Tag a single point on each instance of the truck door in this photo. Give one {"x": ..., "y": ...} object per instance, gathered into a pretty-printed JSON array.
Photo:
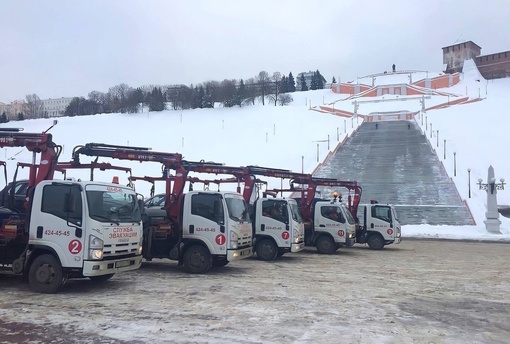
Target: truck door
[
  {"x": 59, "y": 223},
  {"x": 382, "y": 213},
  {"x": 206, "y": 221},
  {"x": 332, "y": 220},
  {"x": 274, "y": 221}
]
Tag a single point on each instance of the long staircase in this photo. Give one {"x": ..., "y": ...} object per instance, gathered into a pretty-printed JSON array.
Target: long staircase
[{"x": 395, "y": 164}]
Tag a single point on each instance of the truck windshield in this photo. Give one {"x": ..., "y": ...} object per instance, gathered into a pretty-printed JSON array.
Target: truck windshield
[
  {"x": 296, "y": 214},
  {"x": 237, "y": 209},
  {"x": 112, "y": 204},
  {"x": 348, "y": 215},
  {"x": 394, "y": 212}
]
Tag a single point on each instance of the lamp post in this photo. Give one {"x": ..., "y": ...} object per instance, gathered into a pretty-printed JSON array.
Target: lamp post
[
  {"x": 455, "y": 164},
  {"x": 444, "y": 149},
  {"x": 431, "y": 130},
  {"x": 469, "y": 182},
  {"x": 426, "y": 125},
  {"x": 491, "y": 185}
]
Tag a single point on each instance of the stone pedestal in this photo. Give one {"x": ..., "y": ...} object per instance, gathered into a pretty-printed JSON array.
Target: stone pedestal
[
  {"x": 492, "y": 221},
  {"x": 492, "y": 225}
]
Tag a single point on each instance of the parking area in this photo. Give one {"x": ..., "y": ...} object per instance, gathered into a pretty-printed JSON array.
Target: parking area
[{"x": 419, "y": 291}]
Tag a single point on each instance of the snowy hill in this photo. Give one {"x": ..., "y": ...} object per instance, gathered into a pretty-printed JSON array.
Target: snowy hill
[{"x": 295, "y": 137}]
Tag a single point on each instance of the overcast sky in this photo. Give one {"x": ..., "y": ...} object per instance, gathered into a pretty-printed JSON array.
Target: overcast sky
[{"x": 61, "y": 48}]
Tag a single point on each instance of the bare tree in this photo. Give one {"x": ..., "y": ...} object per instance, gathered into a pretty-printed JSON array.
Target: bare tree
[
  {"x": 263, "y": 82},
  {"x": 276, "y": 79},
  {"x": 119, "y": 95},
  {"x": 284, "y": 99},
  {"x": 33, "y": 106}
]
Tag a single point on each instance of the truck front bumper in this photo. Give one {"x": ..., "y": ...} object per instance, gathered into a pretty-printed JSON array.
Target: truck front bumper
[
  {"x": 297, "y": 247},
  {"x": 104, "y": 267},
  {"x": 350, "y": 242},
  {"x": 239, "y": 254}
]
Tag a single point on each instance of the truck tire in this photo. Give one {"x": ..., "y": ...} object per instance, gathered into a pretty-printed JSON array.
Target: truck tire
[
  {"x": 45, "y": 274},
  {"x": 375, "y": 241},
  {"x": 197, "y": 260},
  {"x": 266, "y": 250},
  {"x": 101, "y": 278},
  {"x": 325, "y": 245}
]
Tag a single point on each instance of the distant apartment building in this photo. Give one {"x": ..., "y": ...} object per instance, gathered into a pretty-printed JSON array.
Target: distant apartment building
[
  {"x": 491, "y": 66},
  {"x": 55, "y": 107},
  {"x": 308, "y": 79},
  {"x": 46, "y": 108},
  {"x": 13, "y": 109}
]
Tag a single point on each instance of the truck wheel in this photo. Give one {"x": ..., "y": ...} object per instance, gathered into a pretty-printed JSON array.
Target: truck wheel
[
  {"x": 101, "y": 278},
  {"x": 266, "y": 250},
  {"x": 325, "y": 245},
  {"x": 375, "y": 242},
  {"x": 219, "y": 263},
  {"x": 45, "y": 274},
  {"x": 197, "y": 260}
]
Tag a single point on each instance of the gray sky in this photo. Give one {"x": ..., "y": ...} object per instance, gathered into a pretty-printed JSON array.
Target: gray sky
[{"x": 62, "y": 48}]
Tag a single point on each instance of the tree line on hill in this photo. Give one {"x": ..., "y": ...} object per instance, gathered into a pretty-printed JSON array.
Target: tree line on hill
[{"x": 122, "y": 98}]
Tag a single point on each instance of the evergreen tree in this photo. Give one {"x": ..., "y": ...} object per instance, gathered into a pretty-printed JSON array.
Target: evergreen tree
[
  {"x": 291, "y": 84},
  {"x": 284, "y": 87},
  {"x": 240, "y": 93},
  {"x": 313, "y": 83},
  {"x": 3, "y": 118},
  {"x": 303, "y": 83},
  {"x": 198, "y": 97},
  {"x": 20, "y": 116},
  {"x": 320, "y": 80},
  {"x": 156, "y": 100},
  {"x": 208, "y": 101}
]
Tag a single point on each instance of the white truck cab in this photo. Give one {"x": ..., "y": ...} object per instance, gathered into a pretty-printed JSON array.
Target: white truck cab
[
  {"x": 378, "y": 225},
  {"x": 333, "y": 226},
  {"x": 215, "y": 228},
  {"x": 278, "y": 227},
  {"x": 75, "y": 229},
  {"x": 220, "y": 221}
]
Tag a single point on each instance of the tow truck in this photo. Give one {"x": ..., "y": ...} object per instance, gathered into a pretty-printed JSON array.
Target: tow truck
[
  {"x": 67, "y": 229},
  {"x": 202, "y": 229}
]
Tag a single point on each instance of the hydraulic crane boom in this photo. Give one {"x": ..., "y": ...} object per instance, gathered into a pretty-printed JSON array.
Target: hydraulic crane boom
[{"x": 36, "y": 143}]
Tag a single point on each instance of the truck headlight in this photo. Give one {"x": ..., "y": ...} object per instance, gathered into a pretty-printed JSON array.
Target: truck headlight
[
  {"x": 95, "y": 248},
  {"x": 234, "y": 238},
  {"x": 96, "y": 254},
  {"x": 295, "y": 236},
  {"x": 140, "y": 245}
]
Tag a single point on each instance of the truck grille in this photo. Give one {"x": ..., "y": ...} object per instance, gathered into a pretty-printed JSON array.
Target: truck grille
[
  {"x": 245, "y": 241},
  {"x": 123, "y": 249}
]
